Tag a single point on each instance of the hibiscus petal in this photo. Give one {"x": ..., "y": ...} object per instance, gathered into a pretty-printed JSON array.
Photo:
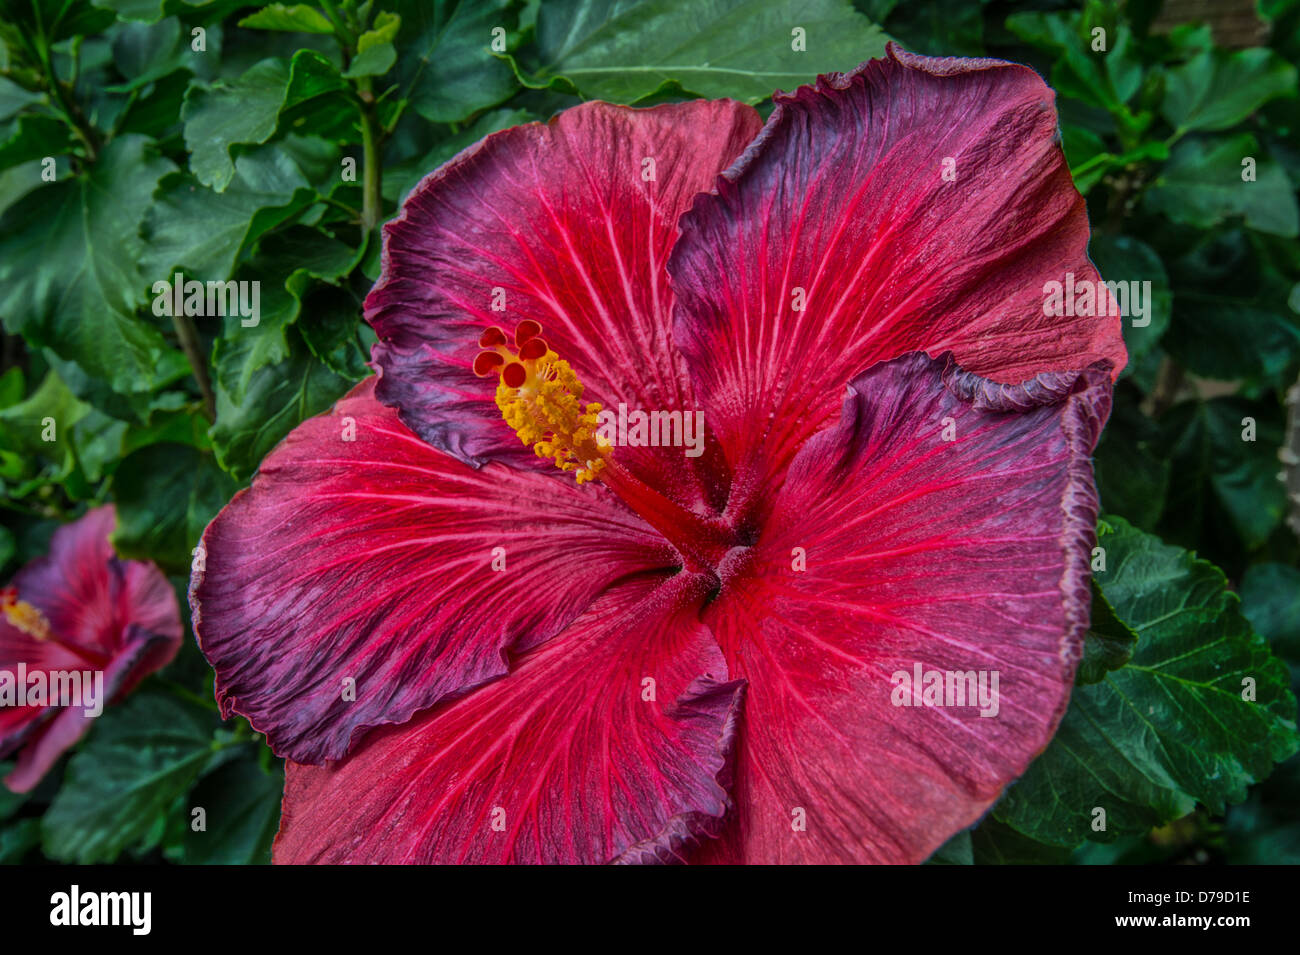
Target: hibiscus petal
[
  {"x": 840, "y": 207},
  {"x": 372, "y": 560},
  {"x": 566, "y": 760},
  {"x": 966, "y": 555},
  {"x": 561, "y": 218}
]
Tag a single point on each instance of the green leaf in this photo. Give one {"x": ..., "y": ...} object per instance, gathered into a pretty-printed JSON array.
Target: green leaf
[
  {"x": 936, "y": 27},
  {"x": 1106, "y": 78},
  {"x": 202, "y": 231},
  {"x": 141, "y": 757},
  {"x": 69, "y": 270},
  {"x": 276, "y": 400},
  {"x": 166, "y": 495},
  {"x": 34, "y": 136},
  {"x": 401, "y": 178},
  {"x": 1200, "y": 712},
  {"x": 297, "y": 17},
  {"x": 625, "y": 50},
  {"x": 286, "y": 266},
  {"x": 1126, "y": 259},
  {"x": 1270, "y": 599},
  {"x": 10, "y": 802},
  {"x": 13, "y": 98},
  {"x": 1202, "y": 186},
  {"x": 58, "y": 19},
  {"x": 956, "y": 851},
  {"x": 1108, "y": 644},
  {"x": 1226, "y": 481},
  {"x": 1132, "y": 475},
  {"x": 27, "y": 460},
  {"x": 448, "y": 69},
  {"x": 383, "y": 30},
  {"x": 248, "y": 110},
  {"x": 18, "y": 838},
  {"x": 151, "y": 11},
  {"x": 993, "y": 843},
  {"x": 241, "y": 804},
  {"x": 374, "y": 61},
  {"x": 1218, "y": 89}
]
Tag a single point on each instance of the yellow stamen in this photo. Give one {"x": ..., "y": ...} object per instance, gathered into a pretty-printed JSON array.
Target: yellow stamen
[
  {"x": 546, "y": 411},
  {"x": 23, "y": 616},
  {"x": 541, "y": 398}
]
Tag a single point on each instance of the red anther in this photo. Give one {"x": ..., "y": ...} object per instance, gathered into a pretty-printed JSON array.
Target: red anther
[
  {"x": 514, "y": 375},
  {"x": 8, "y": 596},
  {"x": 486, "y": 363},
  {"x": 491, "y": 336},
  {"x": 525, "y": 330},
  {"x": 533, "y": 348}
]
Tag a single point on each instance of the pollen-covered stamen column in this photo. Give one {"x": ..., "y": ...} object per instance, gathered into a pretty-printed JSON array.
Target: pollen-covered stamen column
[{"x": 540, "y": 397}]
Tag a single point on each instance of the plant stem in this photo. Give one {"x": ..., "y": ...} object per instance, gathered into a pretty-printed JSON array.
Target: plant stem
[
  {"x": 372, "y": 202},
  {"x": 189, "y": 339}
]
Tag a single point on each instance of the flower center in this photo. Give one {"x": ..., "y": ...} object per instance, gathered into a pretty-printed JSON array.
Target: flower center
[
  {"x": 541, "y": 398},
  {"x": 23, "y": 616}
]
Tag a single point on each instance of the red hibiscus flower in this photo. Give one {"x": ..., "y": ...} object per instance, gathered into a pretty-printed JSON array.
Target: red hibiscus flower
[
  {"x": 694, "y": 651},
  {"x": 80, "y": 628}
]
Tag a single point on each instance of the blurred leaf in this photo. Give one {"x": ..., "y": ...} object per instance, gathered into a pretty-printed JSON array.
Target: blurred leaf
[
  {"x": 140, "y": 757},
  {"x": 13, "y": 98},
  {"x": 10, "y": 802},
  {"x": 1202, "y": 186},
  {"x": 401, "y": 178},
  {"x": 18, "y": 838},
  {"x": 1270, "y": 599},
  {"x": 296, "y": 17},
  {"x": 69, "y": 269},
  {"x": 1107, "y": 78},
  {"x": 34, "y": 136},
  {"x": 1170, "y": 728},
  {"x": 1126, "y": 259},
  {"x": 23, "y": 427},
  {"x": 58, "y": 19},
  {"x": 625, "y": 50},
  {"x": 936, "y": 28},
  {"x": 166, "y": 495},
  {"x": 956, "y": 851},
  {"x": 375, "y": 61},
  {"x": 994, "y": 843},
  {"x": 1218, "y": 89},
  {"x": 241, "y": 802},
  {"x": 1227, "y": 340},
  {"x": 1220, "y": 477},
  {"x": 151, "y": 11}
]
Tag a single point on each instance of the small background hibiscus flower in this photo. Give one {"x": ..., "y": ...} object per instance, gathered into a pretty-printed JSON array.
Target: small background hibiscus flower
[{"x": 79, "y": 613}]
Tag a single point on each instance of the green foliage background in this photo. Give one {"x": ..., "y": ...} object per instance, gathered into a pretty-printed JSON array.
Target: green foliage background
[{"x": 223, "y": 159}]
